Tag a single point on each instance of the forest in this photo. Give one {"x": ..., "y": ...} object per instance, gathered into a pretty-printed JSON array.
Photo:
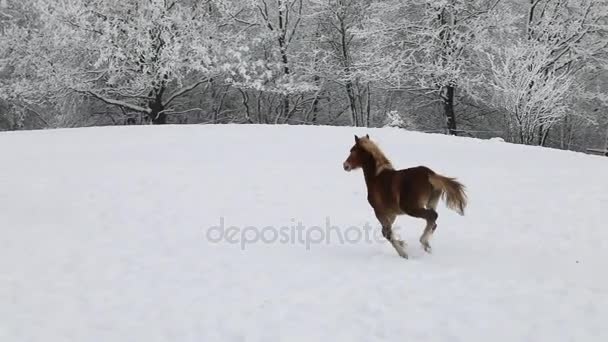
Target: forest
[{"x": 531, "y": 72}]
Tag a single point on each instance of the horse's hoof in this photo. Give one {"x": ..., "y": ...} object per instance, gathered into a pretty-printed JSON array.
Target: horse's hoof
[{"x": 428, "y": 249}]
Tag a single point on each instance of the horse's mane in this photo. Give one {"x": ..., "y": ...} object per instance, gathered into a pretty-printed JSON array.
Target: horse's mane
[{"x": 382, "y": 162}]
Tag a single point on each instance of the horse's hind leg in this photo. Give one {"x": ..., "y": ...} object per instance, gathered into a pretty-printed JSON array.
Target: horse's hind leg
[
  {"x": 426, "y": 235},
  {"x": 433, "y": 200},
  {"x": 387, "y": 231},
  {"x": 430, "y": 215},
  {"x": 430, "y": 226}
]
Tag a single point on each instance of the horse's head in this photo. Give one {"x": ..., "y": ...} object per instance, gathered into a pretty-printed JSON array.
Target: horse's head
[{"x": 357, "y": 154}]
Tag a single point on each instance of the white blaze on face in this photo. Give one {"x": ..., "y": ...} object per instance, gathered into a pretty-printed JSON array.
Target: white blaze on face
[{"x": 346, "y": 166}]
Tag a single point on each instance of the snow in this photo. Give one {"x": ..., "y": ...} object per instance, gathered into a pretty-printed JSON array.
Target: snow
[{"x": 105, "y": 235}]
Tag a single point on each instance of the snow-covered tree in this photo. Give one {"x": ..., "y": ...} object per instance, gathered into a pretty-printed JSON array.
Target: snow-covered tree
[
  {"x": 575, "y": 33},
  {"x": 398, "y": 120},
  {"x": 538, "y": 66},
  {"x": 278, "y": 91},
  {"x": 336, "y": 51},
  {"x": 530, "y": 95},
  {"x": 424, "y": 46},
  {"x": 16, "y": 18},
  {"x": 139, "y": 56},
  {"x": 534, "y": 71}
]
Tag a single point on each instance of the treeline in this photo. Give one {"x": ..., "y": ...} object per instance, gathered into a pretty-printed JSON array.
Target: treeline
[{"x": 530, "y": 71}]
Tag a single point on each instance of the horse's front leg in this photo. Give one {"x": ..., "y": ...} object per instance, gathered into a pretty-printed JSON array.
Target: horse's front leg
[{"x": 387, "y": 231}]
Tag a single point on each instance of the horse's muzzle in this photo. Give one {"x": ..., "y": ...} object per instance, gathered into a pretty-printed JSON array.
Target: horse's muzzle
[{"x": 346, "y": 166}]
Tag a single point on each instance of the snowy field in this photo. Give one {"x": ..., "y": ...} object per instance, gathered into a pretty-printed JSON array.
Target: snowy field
[{"x": 112, "y": 234}]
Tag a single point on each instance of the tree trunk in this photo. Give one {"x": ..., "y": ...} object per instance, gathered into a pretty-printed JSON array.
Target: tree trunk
[
  {"x": 448, "y": 90},
  {"x": 353, "y": 102},
  {"x": 368, "y": 106},
  {"x": 606, "y": 144},
  {"x": 350, "y": 91},
  {"x": 544, "y": 134},
  {"x": 315, "y": 102},
  {"x": 283, "y": 50},
  {"x": 448, "y": 109},
  {"x": 157, "y": 116},
  {"x": 286, "y": 71}
]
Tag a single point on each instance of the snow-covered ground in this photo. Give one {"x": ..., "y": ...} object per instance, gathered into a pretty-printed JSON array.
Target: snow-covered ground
[{"x": 110, "y": 234}]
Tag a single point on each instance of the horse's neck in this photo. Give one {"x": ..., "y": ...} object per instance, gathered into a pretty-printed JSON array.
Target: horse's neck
[{"x": 369, "y": 172}]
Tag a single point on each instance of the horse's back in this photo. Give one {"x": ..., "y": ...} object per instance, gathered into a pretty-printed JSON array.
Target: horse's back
[
  {"x": 417, "y": 174},
  {"x": 414, "y": 185}
]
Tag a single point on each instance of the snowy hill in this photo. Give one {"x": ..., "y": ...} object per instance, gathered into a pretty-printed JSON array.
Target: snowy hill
[{"x": 109, "y": 234}]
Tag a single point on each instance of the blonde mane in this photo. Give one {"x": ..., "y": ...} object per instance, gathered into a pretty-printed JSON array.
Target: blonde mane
[{"x": 382, "y": 162}]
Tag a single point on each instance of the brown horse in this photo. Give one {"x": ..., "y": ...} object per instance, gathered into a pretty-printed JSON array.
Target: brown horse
[{"x": 413, "y": 191}]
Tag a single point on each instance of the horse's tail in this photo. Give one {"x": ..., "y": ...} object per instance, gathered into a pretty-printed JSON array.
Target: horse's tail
[{"x": 452, "y": 192}]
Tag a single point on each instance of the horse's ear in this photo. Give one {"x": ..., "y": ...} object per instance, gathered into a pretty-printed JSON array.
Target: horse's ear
[
  {"x": 367, "y": 136},
  {"x": 356, "y": 138}
]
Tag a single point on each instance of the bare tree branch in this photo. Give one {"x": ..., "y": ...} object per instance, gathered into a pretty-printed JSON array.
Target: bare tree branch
[
  {"x": 115, "y": 102},
  {"x": 183, "y": 91}
]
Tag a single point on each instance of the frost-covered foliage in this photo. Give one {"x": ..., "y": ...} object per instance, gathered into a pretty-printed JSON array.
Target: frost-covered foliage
[
  {"x": 140, "y": 56},
  {"x": 538, "y": 79},
  {"x": 532, "y": 95},
  {"x": 529, "y": 71},
  {"x": 398, "y": 120},
  {"x": 425, "y": 46},
  {"x": 337, "y": 52}
]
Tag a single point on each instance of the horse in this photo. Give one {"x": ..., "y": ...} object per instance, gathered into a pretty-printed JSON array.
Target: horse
[{"x": 413, "y": 191}]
